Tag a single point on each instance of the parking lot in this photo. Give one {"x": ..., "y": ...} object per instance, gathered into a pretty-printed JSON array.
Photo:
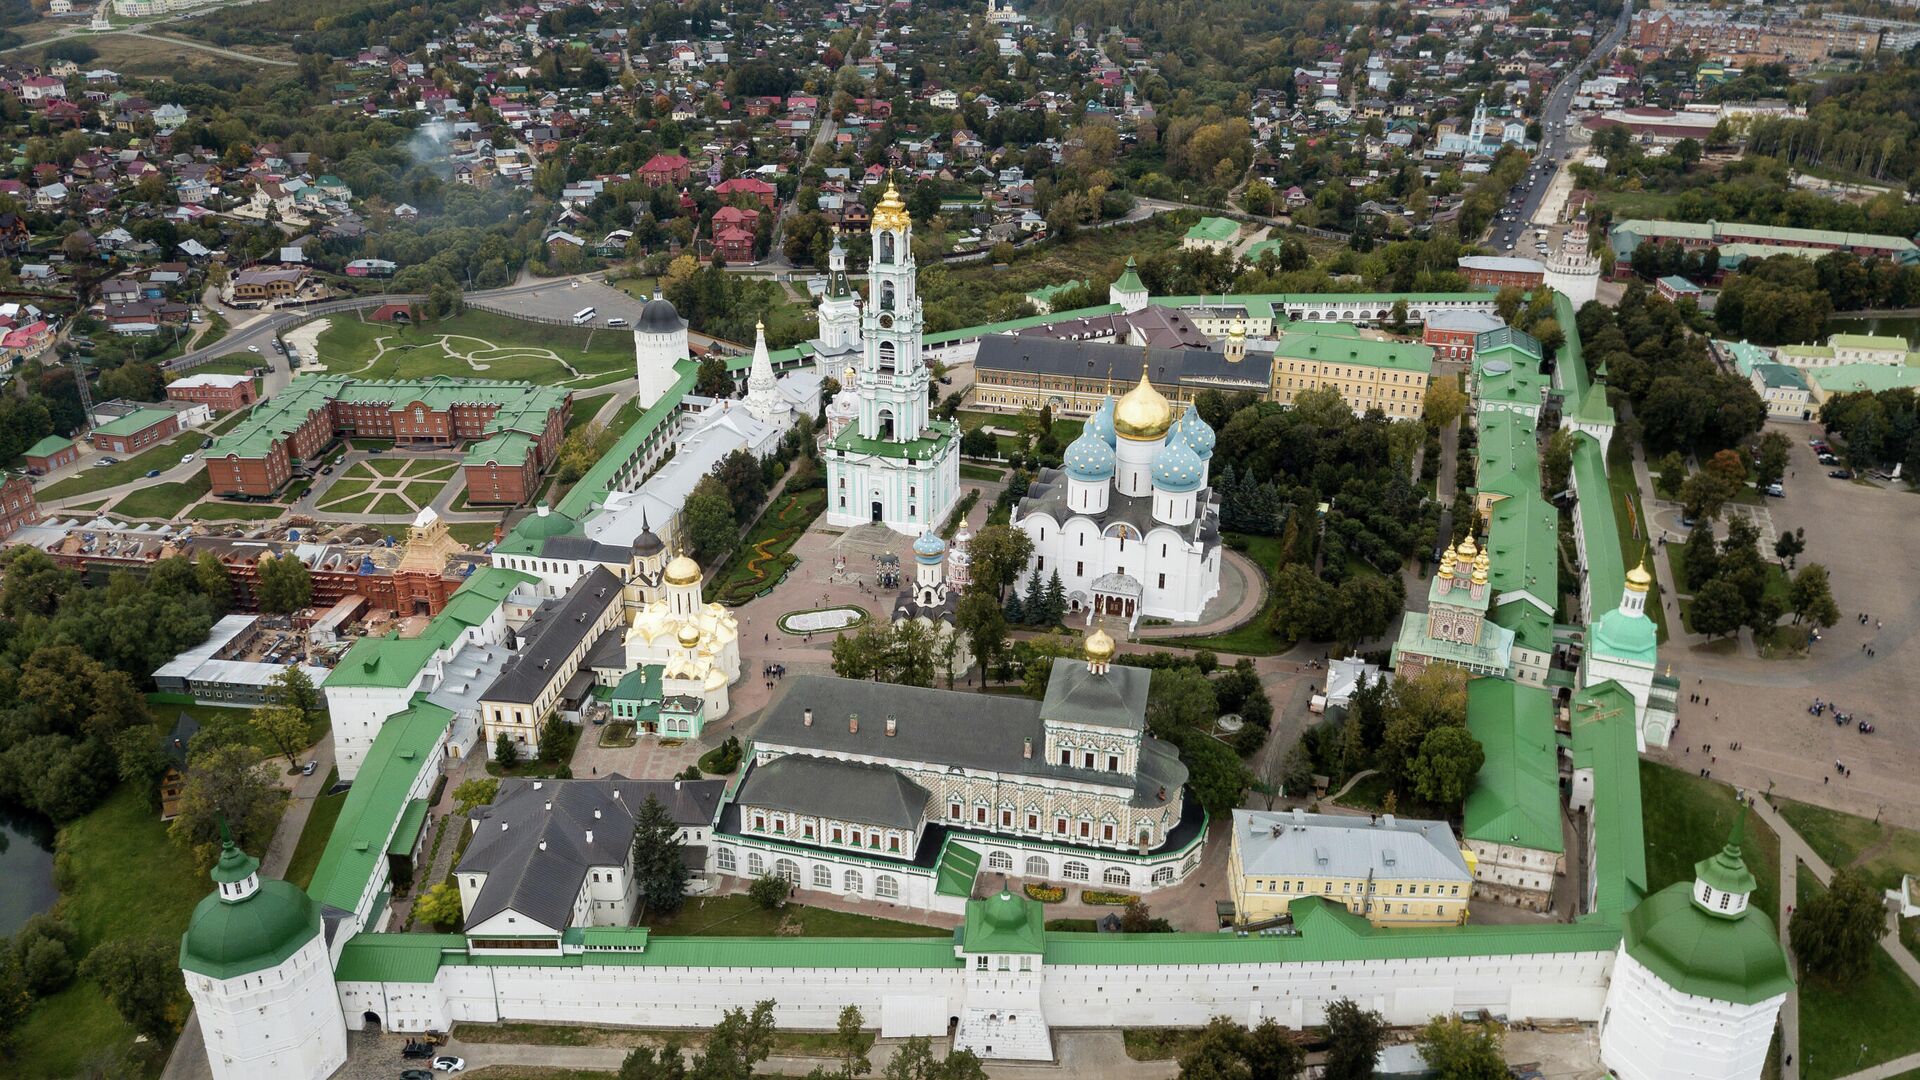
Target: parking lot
[{"x": 1864, "y": 533}]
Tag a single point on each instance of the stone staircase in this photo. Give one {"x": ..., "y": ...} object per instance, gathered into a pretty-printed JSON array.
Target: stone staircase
[{"x": 1012, "y": 1035}]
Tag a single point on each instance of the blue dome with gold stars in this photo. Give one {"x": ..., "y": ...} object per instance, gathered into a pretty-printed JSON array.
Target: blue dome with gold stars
[
  {"x": 1090, "y": 457},
  {"x": 1100, "y": 424},
  {"x": 929, "y": 548},
  {"x": 1176, "y": 467},
  {"x": 1198, "y": 434}
]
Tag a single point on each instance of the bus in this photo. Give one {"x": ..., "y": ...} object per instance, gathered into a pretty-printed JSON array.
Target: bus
[{"x": 584, "y": 315}]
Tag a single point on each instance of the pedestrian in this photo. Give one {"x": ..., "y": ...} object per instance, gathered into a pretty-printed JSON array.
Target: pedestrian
[
  {"x": 1825, "y": 779},
  {"x": 1707, "y": 701}
]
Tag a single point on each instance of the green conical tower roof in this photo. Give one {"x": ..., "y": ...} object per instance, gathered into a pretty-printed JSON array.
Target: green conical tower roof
[
  {"x": 247, "y": 923},
  {"x": 1726, "y": 871},
  {"x": 1129, "y": 281}
]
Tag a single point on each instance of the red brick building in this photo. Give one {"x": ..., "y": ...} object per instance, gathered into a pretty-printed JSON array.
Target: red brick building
[
  {"x": 138, "y": 430},
  {"x": 733, "y": 244},
  {"x": 511, "y": 422},
  {"x": 1499, "y": 271},
  {"x": 51, "y": 453},
  {"x": 663, "y": 169},
  {"x": 18, "y": 507},
  {"x": 1452, "y": 334},
  {"x": 221, "y": 393},
  {"x": 756, "y": 188}
]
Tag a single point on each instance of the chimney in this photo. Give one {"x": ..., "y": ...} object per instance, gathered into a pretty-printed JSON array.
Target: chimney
[
  {"x": 806, "y": 717},
  {"x": 892, "y": 725},
  {"x": 1026, "y": 749},
  {"x": 549, "y": 805},
  {"x": 676, "y": 784},
  {"x": 1387, "y": 820},
  {"x": 503, "y": 826},
  {"x": 853, "y": 723},
  {"x": 596, "y": 813},
  {"x": 1299, "y": 816},
  {"x": 589, "y": 836},
  {"x": 543, "y": 844}
]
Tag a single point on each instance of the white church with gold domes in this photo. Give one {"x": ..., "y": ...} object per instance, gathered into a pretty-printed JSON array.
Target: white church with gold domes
[
  {"x": 1129, "y": 520},
  {"x": 681, "y": 654}
]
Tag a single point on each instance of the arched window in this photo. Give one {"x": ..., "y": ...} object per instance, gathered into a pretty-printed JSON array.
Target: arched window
[
  {"x": 886, "y": 887},
  {"x": 788, "y": 871},
  {"x": 755, "y": 864},
  {"x": 886, "y": 296},
  {"x": 1117, "y": 876},
  {"x": 852, "y": 882},
  {"x": 822, "y": 876},
  {"x": 1074, "y": 871},
  {"x": 999, "y": 860},
  {"x": 1037, "y": 867},
  {"x": 886, "y": 247},
  {"x": 1163, "y": 876}
]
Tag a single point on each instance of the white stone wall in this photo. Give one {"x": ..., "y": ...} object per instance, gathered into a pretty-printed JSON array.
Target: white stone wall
[
  {"x": 1081, "y": 553},
  {"x": 1651, "y": 1031},
  {"x": 1561, "y": 985},
  {"x": 1509, "y": 873},
  {"x": 358, "y": 713},
  {"x": 285, "y": 1021}
]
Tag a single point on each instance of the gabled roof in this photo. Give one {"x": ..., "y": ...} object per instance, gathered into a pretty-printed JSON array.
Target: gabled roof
[
  {"x": 1516, "y": 795},
  {"x": 376, "y": 802},
  {"x": 537, "y": 840},
  {"x": 831, "y": 788}
]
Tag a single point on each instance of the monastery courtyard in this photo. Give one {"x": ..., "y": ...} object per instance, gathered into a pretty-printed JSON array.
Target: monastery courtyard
[{"x": 1762, "y": 704}]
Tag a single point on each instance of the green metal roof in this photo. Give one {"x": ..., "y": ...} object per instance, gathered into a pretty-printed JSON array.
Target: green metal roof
[
  {"x": 406, "y": 958},
  {"x": 48, "y": 446},
  {"x": 1329, "y": 933},
  {"x": 376, "y": 802},
  {"x": 1312, "y": 345},
  {"x": 1214, "y": 229},
  {"x": 1780, "y": 377},
  {"x": 392, "y": 662},
  {"x": 1868, "y": 341},
  {"x": 506, "y": 448},
  {"x": 520, "y": 404},
  {"x": 1605, "y": 740},
  {"x": 607, "y": 937},
  {"x": 225, "y": 940},
  {"x": 1516, "y": 795},
  {"x": 1737, "y": 960},
  {"x": 1005, "y": 923},
  {"x": 1532, "y": 628},
  {"x": 405, "y": 834},
  {"x": 1746, "y": 354},
  {"x": 923, "y": 449},
  {"x": 1129, "y": 279},
  {"x": 1872, "y": 378},
  {"x": 958, "y": 864},
  {"x": 1725, "y": 869},
  {"x": 1586, "y": 400},
  {"x": 1606, "y": 573},
  {"x": 134, "y": 422}
]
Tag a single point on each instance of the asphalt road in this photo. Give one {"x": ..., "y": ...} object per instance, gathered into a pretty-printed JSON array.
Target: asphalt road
[{"x": 1555, "y": 141}]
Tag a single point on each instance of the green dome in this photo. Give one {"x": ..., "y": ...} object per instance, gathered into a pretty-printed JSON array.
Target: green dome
[
  {"x": 227, "y": 938},
  {"x": 541, "y": 525},
  {"x": 1005, "y": 911},
  {"x": 1625, "y": 637},
  {"x": 1737, "y": 960}
]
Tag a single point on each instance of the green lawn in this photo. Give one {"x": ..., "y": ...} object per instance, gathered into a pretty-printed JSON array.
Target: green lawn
[
  {"x": 585, "y": 409},
  {"x": 739, "y": 916},
  {"x": 1627, "y": 518},
  {"x": 474, "y": 534},
  {"x": 625, "y": 418},
  {"x": 390, "y": 504},
  {"x": 313, "y": 838},
  {"x": 243, "y": 364},
  {"x": 377, "y": 467},
  {"x": 987, "y": 473},
  {"x": 423, "y": 492},
  {"x": 163, "y": 500},
  {"x": 226, "y": 511},
  {"x": 1638, "y": 204},
  {"x": 1686, "y": 819},
  {"x": 1255, "y": 638},
  {"x": 122, "y": 877},
  {"x": 1884, "y": 852},
  {"x": 763, "y": 556},
  {"x": 478, "y": 345},
  {"x": 163, "y": 457},
  {"x": 1844, "y": 1029}
]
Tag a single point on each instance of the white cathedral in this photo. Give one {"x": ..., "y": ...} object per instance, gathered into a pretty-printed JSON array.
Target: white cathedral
[
  {"x": 887, "y": 461},
  {"x": 1129, "y": 521},
  {"x": 696, "y": 645}
]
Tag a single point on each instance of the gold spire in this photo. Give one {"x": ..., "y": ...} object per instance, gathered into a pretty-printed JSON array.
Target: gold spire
[
  {"x": 892, "y": 212},
  {"x": 1142, "y": 414}
]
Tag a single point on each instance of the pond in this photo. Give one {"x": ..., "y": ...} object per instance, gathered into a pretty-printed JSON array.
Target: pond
[
  {"x": 1900, "y": 326},
  {"x": 26, "y": 869}
]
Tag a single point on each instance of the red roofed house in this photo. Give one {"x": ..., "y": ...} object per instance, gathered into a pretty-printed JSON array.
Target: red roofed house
[
  {"x": 747, "y": 185},
  {"x": 664, "y": 169},
  {"x": 734, "y": 244}
]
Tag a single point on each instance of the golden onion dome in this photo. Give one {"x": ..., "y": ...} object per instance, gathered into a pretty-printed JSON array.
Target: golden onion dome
[
  {"x": 1482, "y": 561},
  {"x": 683, "y": 571},
  {"x": 1446, "y": 566},
  {"x": 689, "y": 635},
  {"x": 1479, "y": 574},
  {"x": 1142, "y": 414},
  {"x": 892, "y": 212},
  {"x": 1099, "y": 646},
  {"x": 1638, "y": 579},
  {"x": 1468, "y": 547}
]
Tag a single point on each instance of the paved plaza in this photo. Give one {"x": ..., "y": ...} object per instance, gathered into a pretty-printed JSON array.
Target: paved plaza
[{"x": 1865, "y": 536}]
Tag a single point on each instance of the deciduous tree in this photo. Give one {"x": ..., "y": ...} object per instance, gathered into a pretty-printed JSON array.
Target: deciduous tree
[
  {"x": 1354, "y": 1036},
  {"x": 141, "y": 976},
  {"x": 1834, "y": 934}
]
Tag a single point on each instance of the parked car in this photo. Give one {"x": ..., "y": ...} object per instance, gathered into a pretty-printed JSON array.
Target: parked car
[
  {"x": 307, "y": 769},
  {"x": 185, "y": 458},
  {"x": 416, "y": 1049},
  {"x": 253, "y": 348},
  {"x": 101, "y": 463},
  {"x": 616, "y": 321},
  {"x": 1777, "y": 490},
  {"x": 1841, "y": 474},
  {"x": 326, "y": 470},
  {"x": 1829, "y": 459},
  {"x": 151, "y": 473},
  {"x": 206, "y": 444},
  {"x": 415, "y": 1074},
  {"x": 449, "y": 1064}
]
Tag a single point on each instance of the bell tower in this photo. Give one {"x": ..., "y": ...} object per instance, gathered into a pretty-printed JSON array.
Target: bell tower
[{"x": 893, "y": 381}]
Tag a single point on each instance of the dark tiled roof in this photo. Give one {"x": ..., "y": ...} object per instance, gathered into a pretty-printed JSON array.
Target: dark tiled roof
[
  {"x": 552, "y": 633},
  {"x": 1190, "y": 369},
  {"x": 841, "y": 790}
]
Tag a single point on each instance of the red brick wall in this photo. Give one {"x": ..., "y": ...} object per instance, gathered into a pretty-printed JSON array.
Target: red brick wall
[
  {"x": 144, "y": 439},
  {"x": 501, "y": 483},
  {"x": 53, "y": 461},
  {"x": 18, "y": 507},
  {"x": 217, "y": 398},
  {"x": 1498, "y": 278}
]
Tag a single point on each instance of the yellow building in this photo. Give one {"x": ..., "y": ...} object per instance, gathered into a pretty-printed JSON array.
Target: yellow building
[
  {"x": 1393, "y": 872},
  {"x": 1368, "y": 374}
]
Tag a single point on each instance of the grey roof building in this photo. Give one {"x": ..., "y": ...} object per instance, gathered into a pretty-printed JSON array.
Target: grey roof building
[
  {"x": 840, "y": 790},
  {"x": 1299, "y": 844},
  {"x": 552, "y": 641}
]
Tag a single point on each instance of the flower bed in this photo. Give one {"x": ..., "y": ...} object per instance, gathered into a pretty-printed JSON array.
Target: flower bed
[
  {"x": 764, "y": 559},
  {"x": 1046, "y": 894},
  {"x": 1100, "y": 896},
  {"x": 618, "y": 734}
]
